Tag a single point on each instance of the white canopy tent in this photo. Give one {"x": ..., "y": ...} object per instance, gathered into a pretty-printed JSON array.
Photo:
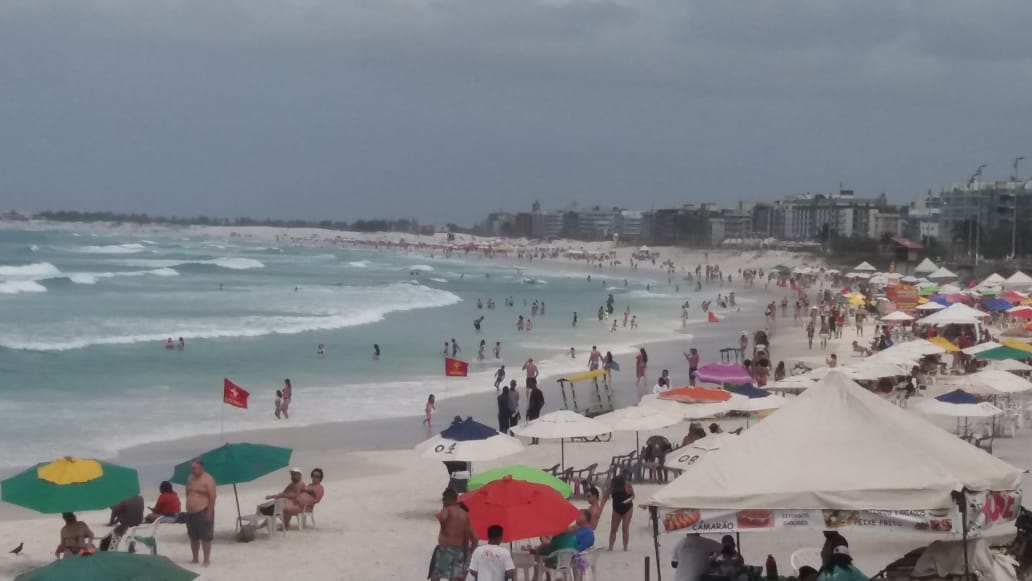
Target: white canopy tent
[
  {"x": 897, "y": 317},
  {"x": 1008, "y": 365},
  {"x": 926, "y": 266},
  {"x": 994, "y": 382},
  {"x": 931, "y": 306},
  {"x": 992, "y": 280},
  {"x": 1019, "y": 280},
  {"x": 855, "y": 437},
  {"x": 958, "y": 410},
  {"x": 955, "y": 314},
  {"x": 865, "y": 266},
  {"x": 942, "y": 273}
]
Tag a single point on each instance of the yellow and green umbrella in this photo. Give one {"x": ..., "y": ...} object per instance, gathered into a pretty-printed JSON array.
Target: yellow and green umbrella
[
  {"x": 521, "y": 472},
  {"x": 110, "y": 566},
  {"x": 69, "y": 485}
]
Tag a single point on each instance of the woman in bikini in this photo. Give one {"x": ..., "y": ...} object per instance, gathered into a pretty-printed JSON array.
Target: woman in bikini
[{"x": 622, "y": 493}]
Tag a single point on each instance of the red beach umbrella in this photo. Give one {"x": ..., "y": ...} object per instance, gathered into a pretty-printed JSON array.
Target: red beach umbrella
[
  {"x": 523, "y": 509},
  {"x": 696, "y": 395}
]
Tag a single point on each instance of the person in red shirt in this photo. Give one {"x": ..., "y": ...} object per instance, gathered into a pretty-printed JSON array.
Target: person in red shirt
[{"x": 166, "y": 505}]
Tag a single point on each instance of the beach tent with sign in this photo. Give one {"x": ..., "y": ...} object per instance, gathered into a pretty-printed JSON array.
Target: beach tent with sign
[
  {"x": 926, "y": 266},
  {"x": 827, "y": 460}
]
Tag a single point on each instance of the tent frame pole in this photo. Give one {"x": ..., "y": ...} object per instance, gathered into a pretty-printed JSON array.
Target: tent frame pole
[
  {"x": 961, "y": 499},
  {"x": 654, "y": 514}
]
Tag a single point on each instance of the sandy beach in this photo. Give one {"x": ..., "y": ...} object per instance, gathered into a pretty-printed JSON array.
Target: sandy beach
[{"x": 376, "y": 521}]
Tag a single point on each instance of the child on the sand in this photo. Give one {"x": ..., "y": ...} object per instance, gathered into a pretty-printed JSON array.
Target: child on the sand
[
  {"x": 430, "y": 407},
  {"x": 279, "y": 403}
]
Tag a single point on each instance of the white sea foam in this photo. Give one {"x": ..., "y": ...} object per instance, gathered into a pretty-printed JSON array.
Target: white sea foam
[
  {"x": 15, "y": 287},
  {"x": 438, "y": 280},
  {"x": 229, "y": 262},
  {"x": 421, "y": 268},
  {"x": 131, "y": 248},
  {"x": 35, "y": 271},
  {"x": 70, "y": 335},
  {"x": 359, "y": 264},
  {"x": 34, "y": 248}
]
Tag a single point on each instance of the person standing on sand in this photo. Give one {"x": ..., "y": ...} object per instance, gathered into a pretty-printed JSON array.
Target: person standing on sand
[
  {"x": 641, "y": 362},
  {"x": 455, "y": 541},
  {"x": 431, "y": 405},
  {"x": 622, "y": 493},
  {"x": 288, "y": 393},
  {"x": 445, "y": 352},
  {"x": 454, "y": 348},
  {"x": 200, "y": 510},
  {"x": 532, "y": 373},
  {"x": 504, "y": 413},
  {"x": 535, "y": 403},
  {"x": 693, "y": 364},
  {"x": 809, "y": 334},
  {"x": 514, "y": 406}
]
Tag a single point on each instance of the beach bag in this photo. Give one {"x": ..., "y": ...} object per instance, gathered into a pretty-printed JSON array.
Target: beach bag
[{"x": 246, "y": 534}]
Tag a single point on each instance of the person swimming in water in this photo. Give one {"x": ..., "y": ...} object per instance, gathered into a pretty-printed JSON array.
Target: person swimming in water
[
  {"x": 169, "y": 344},
  {"x": 498, "y": 350},
  {"x": 480, "y": 351},
  {"x": 320, "y": 351},
  {"x": 181, "y": 345}
]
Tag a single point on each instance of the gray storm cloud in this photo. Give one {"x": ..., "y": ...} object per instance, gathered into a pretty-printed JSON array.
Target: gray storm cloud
[{"x": 444, "y": 109}]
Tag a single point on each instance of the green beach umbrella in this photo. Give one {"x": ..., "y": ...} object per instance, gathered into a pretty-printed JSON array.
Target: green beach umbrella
[
  {"x": 782, "y": 268},
  {"x": 1004, "y": 352},
  {"x": 236, "y": 463},
  {"x": 928, "y": 290},
  {"x": 70, "y": 485},
  {"x": 110, "y": 566},
  {"x": 524, "y": 473}
]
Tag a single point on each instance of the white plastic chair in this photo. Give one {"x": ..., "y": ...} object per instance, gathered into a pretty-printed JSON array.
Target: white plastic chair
[
  {"x": 259, "y": 520},
  {"x": 591, "y": 556},
  {"x": 563, "y": 565},
  {"x": 137, "y": 536},
  {"x": 806, "y": 557},
  {"x": 307, "y": 515}
]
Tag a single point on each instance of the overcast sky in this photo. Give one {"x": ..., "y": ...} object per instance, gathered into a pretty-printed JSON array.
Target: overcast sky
[{"x": 445, "y": 109}]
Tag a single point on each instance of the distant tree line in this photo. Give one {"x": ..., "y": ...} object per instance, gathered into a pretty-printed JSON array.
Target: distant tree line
[{"x": 376, "y": 225}]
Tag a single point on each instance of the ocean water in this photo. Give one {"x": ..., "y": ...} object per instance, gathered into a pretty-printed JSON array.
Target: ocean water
[{"x": 84, "y": 318}]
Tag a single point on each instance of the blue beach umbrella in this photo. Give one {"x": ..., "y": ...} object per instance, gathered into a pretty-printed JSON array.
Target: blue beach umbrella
[
  {"x": 958, "y": 396},
  {"x": 998, "y": 304},
  {"x": 749, "y": 391}
]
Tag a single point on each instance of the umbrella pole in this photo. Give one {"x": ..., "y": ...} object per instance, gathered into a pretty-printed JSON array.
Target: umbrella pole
[
  {"x": 562, "y": 453},
  {"x": 637, "y": 443},
  {"x": 654, "y": 513},
  {"x": 237, "y": 497}
]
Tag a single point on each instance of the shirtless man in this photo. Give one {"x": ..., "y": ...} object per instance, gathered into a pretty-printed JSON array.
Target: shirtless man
[
  {"x": 455, "y": 541},
  {"x": 301, "y": 497},
  {"x": 594, "y": 359},
  {"x": 200, "y": 510}
]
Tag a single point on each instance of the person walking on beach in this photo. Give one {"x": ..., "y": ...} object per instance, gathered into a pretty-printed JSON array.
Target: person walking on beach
[
  {"x": 431, "y": 405},
  {"x": 454, "y": 348},
  {"x": 279, "y": 404},
  {"x": 445, "y": 352},
  {"x": 200, "y": 510},
  {"x": 498, "y": 350},
  {"x": 809, "y": 334},
  {"x": 455, "y": 541},
  {"x": 288, "y": 393},
  {"x": 594, "y": 359},
  {"x": 825, "y": 332},
  {"x": 499, "y": 377},
  {"x": 535, "y": 403},
  {"x": 641, "y": 362}
]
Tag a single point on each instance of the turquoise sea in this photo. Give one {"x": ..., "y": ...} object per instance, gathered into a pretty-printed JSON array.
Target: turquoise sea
[{"x": 84, "y": 318}]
